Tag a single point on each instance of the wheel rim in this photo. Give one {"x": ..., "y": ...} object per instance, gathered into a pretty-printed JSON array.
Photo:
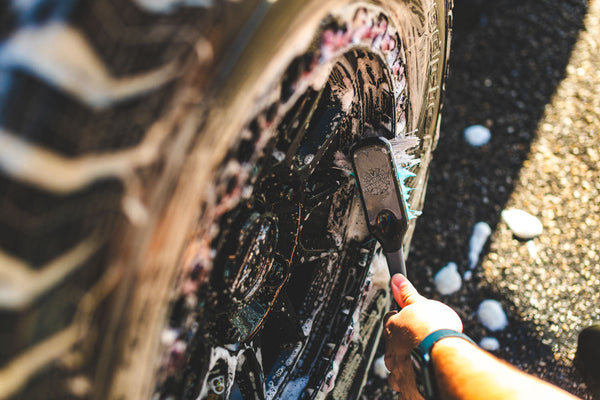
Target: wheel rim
[{"x": 270, "y": 300}]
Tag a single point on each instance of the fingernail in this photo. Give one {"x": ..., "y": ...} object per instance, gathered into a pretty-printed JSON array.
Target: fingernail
[{"x": 397, "y": 280}]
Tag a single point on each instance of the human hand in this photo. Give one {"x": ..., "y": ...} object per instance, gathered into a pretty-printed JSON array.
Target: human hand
[{"x": 404, "y": 330}]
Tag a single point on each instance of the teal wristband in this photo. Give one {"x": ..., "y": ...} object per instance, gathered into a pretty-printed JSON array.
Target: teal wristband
[
  {"x": 427, "y": 343},
  {"x": 422, "y": 365}
]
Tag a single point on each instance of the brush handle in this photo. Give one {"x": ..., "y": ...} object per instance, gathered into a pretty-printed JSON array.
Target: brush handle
[{"x": 395, "y": 261}]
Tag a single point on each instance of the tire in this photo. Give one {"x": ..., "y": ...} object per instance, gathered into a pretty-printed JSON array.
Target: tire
[{"x": 178, "y": 218}]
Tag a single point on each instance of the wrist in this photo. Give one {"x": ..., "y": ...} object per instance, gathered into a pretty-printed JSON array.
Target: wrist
[
  {"x": 449, "y": 359},
  {"x": 448, "y": 348},
  {"x": 422, "y": 358}
]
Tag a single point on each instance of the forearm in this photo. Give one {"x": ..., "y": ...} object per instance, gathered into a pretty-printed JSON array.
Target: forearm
[{"x": 464, "y": 371}]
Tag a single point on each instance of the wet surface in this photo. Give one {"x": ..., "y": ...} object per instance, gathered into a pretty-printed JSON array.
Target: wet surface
[
  {"x": 276, "y": 288},
  {"x": 529, "y": 72}
]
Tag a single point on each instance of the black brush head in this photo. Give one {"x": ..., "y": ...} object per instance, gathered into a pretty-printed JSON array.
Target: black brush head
[{"x": 379, "y": 187}]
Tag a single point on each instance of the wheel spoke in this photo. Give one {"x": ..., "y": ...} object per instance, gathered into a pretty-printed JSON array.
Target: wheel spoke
[
  {"x": 249, "y": 375},
  {"x": 282, "y": 329},
  {"x": 298, "y": 125},
  {"x": 315, "y": 143},
  {"x": 290, "y": 318},
  {"x": 308, "y": 255},
  {"x": 307, "y": 134},
  {"x": 325, "y": 210},
  {"x": 319, "y": 188},
  {"x": 219, "y": 378}
]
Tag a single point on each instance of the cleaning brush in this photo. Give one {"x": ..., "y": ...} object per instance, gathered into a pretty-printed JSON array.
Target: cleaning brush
[{"x": 381, "y": 167}]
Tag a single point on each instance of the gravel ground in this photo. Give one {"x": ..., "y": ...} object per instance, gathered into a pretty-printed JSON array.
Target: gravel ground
[{"x": 530, "y": 72}]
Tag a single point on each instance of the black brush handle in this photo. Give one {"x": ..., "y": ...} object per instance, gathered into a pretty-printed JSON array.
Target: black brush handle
[{"x": 395, "y": 261}]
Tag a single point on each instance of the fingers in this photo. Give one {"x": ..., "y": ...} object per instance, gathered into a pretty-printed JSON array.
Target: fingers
[{"x": 403, "y": 291}]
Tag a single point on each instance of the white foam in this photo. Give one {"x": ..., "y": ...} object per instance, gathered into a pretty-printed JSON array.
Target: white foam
[
  {"x": 489, "y": 343},
  {"x": 380, "y": 369},
  {"x": 448, "y": 280},
  {"x": 169, "y": 6},
  {"x": 168, "y": 336},
  {"x": 491, "y": 315},
  {"x": 225, "y": 355},
  {"x": 380, "y": 270},
  {"x": 477, "y": 135},
  {"x": 307, "y": 327},
  {"x": 293, "y": 389},
  {"x": 481, "y": 232},
  {"x": 279, "y": 155}
]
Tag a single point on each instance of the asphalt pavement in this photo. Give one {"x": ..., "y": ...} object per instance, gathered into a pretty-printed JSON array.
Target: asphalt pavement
[{"x": 530, "y": 72}]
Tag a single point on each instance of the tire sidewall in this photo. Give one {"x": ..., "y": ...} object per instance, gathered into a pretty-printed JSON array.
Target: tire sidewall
[{"x": 286, "y": 30}]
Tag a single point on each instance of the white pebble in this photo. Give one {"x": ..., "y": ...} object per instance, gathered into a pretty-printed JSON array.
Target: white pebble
[
  {"x": 448, "y": 280},
  {"x": 522, "y": 224},
  {"x": 531, "y": 247},
  {"x": 492, "y": 315},
  {"x": 489, "y": 343},
  {"x": 477, "y": 135},
  {"x": 481, "y": 233},
  {"x": 380, "y": 369}
]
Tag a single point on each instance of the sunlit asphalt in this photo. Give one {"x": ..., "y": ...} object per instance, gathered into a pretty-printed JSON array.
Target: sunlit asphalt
[{"x": 530, "y": 72}]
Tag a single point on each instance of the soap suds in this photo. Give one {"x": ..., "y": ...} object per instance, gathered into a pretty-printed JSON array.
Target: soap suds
[
  {"x": 492, "y": 315},
  {"x": 477, "y": 135},
  {"x": 448, "y": 280},
  {"x": 380, "y": 369},
  {"x": 489, "y": 343},
  {"x": 481, "y": 232}
]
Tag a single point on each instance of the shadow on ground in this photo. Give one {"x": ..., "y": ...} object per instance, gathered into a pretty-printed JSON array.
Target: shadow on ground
[{"x": 504, "y": 70}]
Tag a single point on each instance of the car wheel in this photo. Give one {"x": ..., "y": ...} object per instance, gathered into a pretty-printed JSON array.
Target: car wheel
[{"x": 179, "y": 217}]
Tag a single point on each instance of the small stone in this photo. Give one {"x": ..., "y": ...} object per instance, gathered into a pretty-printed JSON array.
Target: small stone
[
  {"x": 532, "y": 249},
  {"x": 448, "y": 280},
  {"x": 477, "y": 135},
  {"x": 467, "y": 275},
  {"x": 492, "y": 315},
  {"x": 489, "y": 343},
  {"x": 522, "y": 224}
]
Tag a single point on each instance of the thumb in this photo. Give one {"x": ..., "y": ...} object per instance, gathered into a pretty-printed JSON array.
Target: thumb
[{"x": 403, "y": 291}]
